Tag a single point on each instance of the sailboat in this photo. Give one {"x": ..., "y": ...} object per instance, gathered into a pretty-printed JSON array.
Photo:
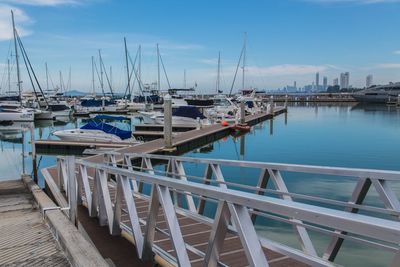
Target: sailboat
[{"x": 19, "y": 113}]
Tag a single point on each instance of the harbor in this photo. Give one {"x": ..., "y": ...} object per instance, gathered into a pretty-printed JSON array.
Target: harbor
[{"x": 165, "y": 136}]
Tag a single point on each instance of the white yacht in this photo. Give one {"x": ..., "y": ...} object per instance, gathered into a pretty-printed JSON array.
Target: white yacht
[
  {"x": 379, "y": 94},
  {"x": 184, "y": 115},
  {"x": 13, "y": 115},
  {"x": 98, "y": 131}
]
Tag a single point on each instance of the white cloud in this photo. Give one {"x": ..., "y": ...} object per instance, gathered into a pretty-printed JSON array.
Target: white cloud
[
  {"x": 388, "y": 66},
  {"x": 397, "y": 52},
  {"x": 44, "y": 2},
  {"x": 363, "y": 2},
  {"x": 21, "y": 21}
]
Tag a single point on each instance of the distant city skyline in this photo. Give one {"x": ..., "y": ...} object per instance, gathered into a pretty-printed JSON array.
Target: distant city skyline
[{"x": 281, "y": 43}]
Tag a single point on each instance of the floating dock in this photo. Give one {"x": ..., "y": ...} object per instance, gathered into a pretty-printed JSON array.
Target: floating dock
[{"x": 183, "y": 140}]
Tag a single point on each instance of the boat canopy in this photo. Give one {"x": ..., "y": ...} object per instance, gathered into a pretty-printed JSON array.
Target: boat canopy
[
  {"x": 107, "y": 128},
  {"x": 188, "y": 112},
  {"x": 111, "y": 118},
  {"x": 95, "y": 102}
]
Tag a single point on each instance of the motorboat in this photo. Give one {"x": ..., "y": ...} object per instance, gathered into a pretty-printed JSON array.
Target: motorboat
[
  {"x": 96, "y": 130},
  {"x": 14, "y": 115},
  {"x": 379, "y": 94},
  {"x": 149, "y": 117},
  {"x": 184, "y": 115}
]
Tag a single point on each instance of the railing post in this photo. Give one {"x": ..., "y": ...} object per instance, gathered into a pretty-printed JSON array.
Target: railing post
[
  {"x": 168, "y": 121},
  {"x": 271, "y": 105},
  {"x": 72, "y": 188},
  {"x": 242, "y": 113}
]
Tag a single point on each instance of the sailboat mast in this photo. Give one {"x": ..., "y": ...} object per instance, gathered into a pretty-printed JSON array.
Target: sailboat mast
[
  {"x": 101, "y": 72},
  {"x": 218, "y": 71},
  {"x": 47, "y": 77},
  {"x": 140, "y": 63},
  {"x": 184, "y": 78},
  {"x": 158, "y": 68},
  {"x": 9, "y": 76},
  {"x": 111, "y": 81},
  {"x": 69, "y": 79},
  {"x": 61, "y": 82},
  {"x": 244, "y": 59},
  {"x": 93, "y": 76},
  {"x": 127, "y": 67},
  {"x": 16, "y": 57}
]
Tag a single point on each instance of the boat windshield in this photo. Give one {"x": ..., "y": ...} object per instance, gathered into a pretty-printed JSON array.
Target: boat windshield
[{"x": 221, "y": 102}]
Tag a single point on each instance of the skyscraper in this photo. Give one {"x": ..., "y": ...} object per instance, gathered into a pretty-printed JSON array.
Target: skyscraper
[
  {"x": 344, "y": 80},
  {"x": 335, "y": 82},
  {"x": 369, "y": 81},
  {"x": 325, "y": 82},
  {"x": 317, "y": 81}
]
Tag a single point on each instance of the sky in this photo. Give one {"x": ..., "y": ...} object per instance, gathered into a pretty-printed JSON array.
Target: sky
[{"x": 287, "y": 40}]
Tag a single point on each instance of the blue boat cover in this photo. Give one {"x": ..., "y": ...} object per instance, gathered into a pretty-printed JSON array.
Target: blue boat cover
[
  {"x": 111, "y": 118},
  {"x": 250, "y": 104},
  {"x": 95, "y": 102},
  {"x": 107, "y": 128},
  {"x": 188, "y": 112}
]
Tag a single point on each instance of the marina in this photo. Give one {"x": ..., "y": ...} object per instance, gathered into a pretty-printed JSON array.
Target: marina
[{"x": 147, "y": 138}]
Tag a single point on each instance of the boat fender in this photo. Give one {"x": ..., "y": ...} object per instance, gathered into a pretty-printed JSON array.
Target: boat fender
[{"x": 224, "y": 123}]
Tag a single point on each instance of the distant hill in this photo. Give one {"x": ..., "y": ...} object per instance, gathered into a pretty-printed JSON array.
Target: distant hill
[{"x": 73, "y": 93}]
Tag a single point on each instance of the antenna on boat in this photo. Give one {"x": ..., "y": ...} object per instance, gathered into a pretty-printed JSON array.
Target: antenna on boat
[{"x": 16, "y": 58}]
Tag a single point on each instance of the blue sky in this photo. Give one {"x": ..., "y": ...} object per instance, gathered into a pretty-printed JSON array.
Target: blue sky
[{"x": 288, "y": 40}]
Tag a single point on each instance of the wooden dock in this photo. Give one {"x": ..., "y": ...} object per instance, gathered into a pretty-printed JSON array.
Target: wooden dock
[
  {"x": 26, "y": 239},
  {"x": 186, "y": 141},
  {"x": 183, "y": 140}
]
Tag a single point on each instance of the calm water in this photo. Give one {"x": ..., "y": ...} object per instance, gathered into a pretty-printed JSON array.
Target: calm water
[{"x": 349, "y": 136}]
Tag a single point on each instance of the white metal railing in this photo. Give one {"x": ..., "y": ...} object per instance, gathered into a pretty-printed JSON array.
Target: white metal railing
[{"x": 237, "y": 206}]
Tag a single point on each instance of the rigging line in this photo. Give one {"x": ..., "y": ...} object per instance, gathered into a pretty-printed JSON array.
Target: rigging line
[
  {"x": 133, "y": 66},
  {"x": 98, "y": 76},
  {"x": 137, "y": 76},
  {"x": 30, "y": 66},
  {"x": 165, "y": 72},
  {"x": 237, "y": 68},
  {"x": 108, "y": 80},
  {"x": 131, "y": 72}
]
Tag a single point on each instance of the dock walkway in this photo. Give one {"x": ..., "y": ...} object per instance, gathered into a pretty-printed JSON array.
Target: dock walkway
[{"x": 25, "y": 239}]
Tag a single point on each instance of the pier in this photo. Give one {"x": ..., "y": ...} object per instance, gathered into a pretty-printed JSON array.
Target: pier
[
  {"x": 178, "y": 218},
  {"x": 35, "y": 232},
  {"x": 182, "y": 140}
]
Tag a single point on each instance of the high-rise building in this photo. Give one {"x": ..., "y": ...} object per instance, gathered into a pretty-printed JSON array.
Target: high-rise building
[
  {"x": 317, "y": 81},
  {"x": 325, "y": 83},
  {"x": 369, "y": 81},
  {"x": 335, "y": 82},
  {"x": 344, "y": 80},
  {"x": 295, "y": 85}
]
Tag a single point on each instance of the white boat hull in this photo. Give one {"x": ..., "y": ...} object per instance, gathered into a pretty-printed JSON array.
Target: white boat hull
[
  {"x": 16, "y": 116},
  {"x": 86, "y": 136},
  {"x": 43, "y": 115}
]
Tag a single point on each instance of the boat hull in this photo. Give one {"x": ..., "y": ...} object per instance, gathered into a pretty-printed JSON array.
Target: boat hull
[{"x": 16, "y": 116}]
